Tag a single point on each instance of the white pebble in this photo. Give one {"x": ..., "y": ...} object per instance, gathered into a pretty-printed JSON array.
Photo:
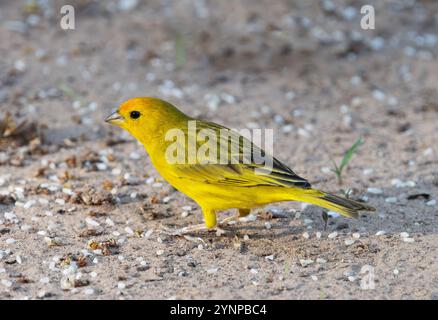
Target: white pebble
[
  {"x": 306, "y": 235},
  {"x": 45, "y": 280},
  {"x": 148, "y": 233},
  {"x": 404, "y": 235},
  {"x": 184, "y": 214},
  {"x": 409, "y": 240},
  {"x": 92, "y": 222},
  {"x": 187, "y": 208},
  {"x": 271, "y": 257},
  {"x": 314, "y": 278},
  {"x": 245, "y": 237},
  {"x": 308, "y": 221},
  {"x": 380, "y": 233},
  {"x": 391, "y": 200},
  {"x": 10, "y": 241},
  {"x": 160, "y": 252},
  {"x": 318, "y": 235},
  {"x": 351, "y": 278},
  {"x": 306, "y": 262},
  {"x": 268, "y": 225},
  {"x": 375, "y": 190},
  {"x": 332, "y": 235},
  {"x": 395, "y": 271},
  {"x": 321, "y": 260},
  {"x": 356, "y": 235},
  {"x": 109, "y": 222},
  {"x": 349, "y": 242},
  {"x": 129, "y": 231},
  {"x": 59, "y": 201},
  {"x": 93, "y": 274},
  {"x": 6, "y": 283},
  {"x": 121, "y": 286},
  {"x": 29, "y": 204},
  {"x": 10, "y": 216},
  {"x": 89, "y": 291},
  {"x": 101, "y": 166},
  {"x": 212, "y": 270},
  {"x": 333, "y": 214},
  {"x": 431, "y": 203},
  {"x": 134, "y": 155}
]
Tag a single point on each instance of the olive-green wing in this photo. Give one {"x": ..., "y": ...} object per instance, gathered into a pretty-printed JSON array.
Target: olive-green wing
[{"x": 243, "y": 167}]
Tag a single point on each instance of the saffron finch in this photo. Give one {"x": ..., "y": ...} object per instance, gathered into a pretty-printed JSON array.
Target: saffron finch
[{"x": 215, "y": 185}]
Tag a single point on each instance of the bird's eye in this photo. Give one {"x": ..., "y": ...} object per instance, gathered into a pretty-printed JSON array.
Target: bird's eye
[{"x": 134, "y": 114}]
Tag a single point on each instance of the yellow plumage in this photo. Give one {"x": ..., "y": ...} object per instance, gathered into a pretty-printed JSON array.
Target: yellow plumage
[{"x": 218, "y": 186}]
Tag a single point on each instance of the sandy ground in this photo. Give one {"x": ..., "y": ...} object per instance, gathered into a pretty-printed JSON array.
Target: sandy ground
[{"x": 82, "y": 210}]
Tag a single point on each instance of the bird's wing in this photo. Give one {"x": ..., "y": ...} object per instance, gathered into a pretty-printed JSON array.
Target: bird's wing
[{"x": 243, "y": 167}]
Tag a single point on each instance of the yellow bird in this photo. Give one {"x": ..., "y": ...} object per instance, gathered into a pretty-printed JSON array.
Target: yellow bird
[{"x": 240, "y": 182}]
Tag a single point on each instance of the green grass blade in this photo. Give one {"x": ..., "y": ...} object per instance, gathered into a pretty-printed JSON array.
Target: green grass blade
[{"x": 349, "y": 153}]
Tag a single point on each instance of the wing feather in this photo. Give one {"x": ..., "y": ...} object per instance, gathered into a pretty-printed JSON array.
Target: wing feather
[{"x": 237, "y": 172}]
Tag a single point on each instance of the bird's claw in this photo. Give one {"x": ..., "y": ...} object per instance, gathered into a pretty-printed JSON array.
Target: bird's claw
[{"x": 191, "y": 229}]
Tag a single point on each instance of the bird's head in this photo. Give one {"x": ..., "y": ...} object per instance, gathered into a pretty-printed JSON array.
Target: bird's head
[{"x": 146, "y": 117}]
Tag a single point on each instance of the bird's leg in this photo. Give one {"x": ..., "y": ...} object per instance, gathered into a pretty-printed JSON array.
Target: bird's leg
[
  {"x": 241, "y": 213},
  {"x": 210, "y": 225}
]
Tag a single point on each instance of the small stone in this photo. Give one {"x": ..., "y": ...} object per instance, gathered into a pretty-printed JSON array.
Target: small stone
[
  {"x": 271, "y": 257},
  {"x": 160, "y": 252},
  {"x": 268, "y": 225},
  {"x": 6, "y": 283},
  {"x": 314, "y": 278},
  {"x": 380, "y": 233},
  {"x": 349, "y": 242},
  {"x": 45, "y": 280},
  {"x": 129, "y": 231},
  {"x": 391, "y": 200},
  {"x": 409, "y": 240},
  {"x": 318, "y": 235},
  {"x": 306, "y": 235},
  {"x": 395, "y": 271},
  {"x": 332, "y": 235},
  {"x": 308, "y": 221},
  {"x": 306, "y": 262},
  {"x": 121, "y": 286},
  {"x": 61, "y": 202},
  {"x": 351, "y": 278},
  {"x": 404, "y": 234},
  {"x": 356, "y": 235},
  {"x": 321, "y": 260},
  {"x": 109, "y": 222},
  {"x": 89, "y": 291},
  {"x": 10, "y": 241},
  {"x": 431, "y": 203},
  {"x": 375, "y": 190},
  {"x": 92, "y": 222},
  {"x": 212, "y": 270}
]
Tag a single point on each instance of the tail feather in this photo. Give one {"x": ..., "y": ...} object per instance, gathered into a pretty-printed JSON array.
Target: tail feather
[{"x": 344, "y": 206}]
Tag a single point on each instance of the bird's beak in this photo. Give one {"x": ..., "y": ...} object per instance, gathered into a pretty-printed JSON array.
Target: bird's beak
[{"x": 115, "y": 118}]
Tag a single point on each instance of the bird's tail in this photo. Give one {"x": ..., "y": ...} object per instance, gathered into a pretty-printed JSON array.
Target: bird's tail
[{"x": 344, "y": 206}]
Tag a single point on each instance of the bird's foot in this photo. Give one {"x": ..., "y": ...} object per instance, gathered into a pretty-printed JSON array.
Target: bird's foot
[
  {"x": 229, "y": 220},
  {"x": 195, "y": 229}
]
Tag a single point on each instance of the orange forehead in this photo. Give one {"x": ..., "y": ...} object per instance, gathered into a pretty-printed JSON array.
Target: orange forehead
[{"x": 141, "y": 102}]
